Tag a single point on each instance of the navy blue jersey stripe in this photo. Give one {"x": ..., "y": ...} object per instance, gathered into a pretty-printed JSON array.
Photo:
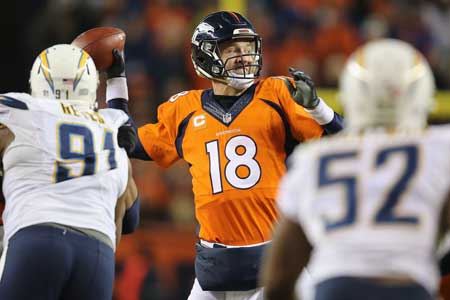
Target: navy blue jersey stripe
[
  {"x": 14, "y": 103},
  {"x": 180, "y": 136},
  {"x": 290, "y": 141}
]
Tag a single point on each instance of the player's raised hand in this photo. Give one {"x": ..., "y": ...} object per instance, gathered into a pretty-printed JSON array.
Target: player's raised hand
[
  {"x": 304, "y": 92},
  {"x": 117, "y": 68}
]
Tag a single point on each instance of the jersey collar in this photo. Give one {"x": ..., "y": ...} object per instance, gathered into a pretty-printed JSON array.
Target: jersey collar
[{"x": 226, "y": 117}]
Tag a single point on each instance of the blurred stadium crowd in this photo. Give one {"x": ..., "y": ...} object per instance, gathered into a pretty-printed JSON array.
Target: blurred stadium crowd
[{"x": 315, "y": 36}]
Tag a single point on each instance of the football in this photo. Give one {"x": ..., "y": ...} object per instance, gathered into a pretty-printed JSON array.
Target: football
[{"x": 99, "y": 42}]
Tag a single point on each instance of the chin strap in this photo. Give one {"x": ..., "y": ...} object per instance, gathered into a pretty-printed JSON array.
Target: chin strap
[{"x": 241, "y": 83}]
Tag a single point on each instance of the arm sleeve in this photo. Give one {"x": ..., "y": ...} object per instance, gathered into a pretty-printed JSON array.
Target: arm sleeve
[
  {"x": 155, "y": 141},
  {"x": 334, "y": 126},
  {"x": 131, "y": 218},
  {"x": 9, "y": 103},
  {"x": 16, "y": 110},
  {"x": 330, "y": 121},
  {"x": 122, "y": 104},
  {"x": 158, "y": 140}
]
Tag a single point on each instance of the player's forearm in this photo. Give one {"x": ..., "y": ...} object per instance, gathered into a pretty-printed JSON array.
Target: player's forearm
[
  {"x": 334, "y": 126},
  {"x": 139, "y": 152},
  {"x": 330, "y": 121},
  {"x": 128, "y": 138},
  {"x": 119, "y": 213},
  {"x": 131, "y": 218},
  {"x": 117, "y": 98},
  {"x": 286, "y": 258}
]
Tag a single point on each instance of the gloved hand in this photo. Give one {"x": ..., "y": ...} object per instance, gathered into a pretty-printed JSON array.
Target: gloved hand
[
  {"x": 117, "y": 68},
  {"x": 304, "y": 92},
  {"x": 127, "y": 138}
]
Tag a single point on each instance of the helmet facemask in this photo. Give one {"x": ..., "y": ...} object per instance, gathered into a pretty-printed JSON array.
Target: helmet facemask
[
  {"x": 209, "y": 40},
  {"x": 221, "y": 71}
]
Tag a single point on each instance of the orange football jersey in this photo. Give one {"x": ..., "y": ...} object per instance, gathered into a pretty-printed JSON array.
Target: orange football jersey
[
  {"x": 236, "y": 156},
  {"x": 444, "y": 289}
]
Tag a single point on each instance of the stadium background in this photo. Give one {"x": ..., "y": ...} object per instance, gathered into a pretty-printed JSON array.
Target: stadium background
[{"x": 316, "y": 36}]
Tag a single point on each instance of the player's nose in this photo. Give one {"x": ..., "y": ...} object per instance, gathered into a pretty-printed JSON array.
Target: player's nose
[{"x": 244, "y": 59}]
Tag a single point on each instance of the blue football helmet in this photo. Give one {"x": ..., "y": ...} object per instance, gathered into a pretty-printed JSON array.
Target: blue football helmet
[{"x": 217, "y": 28}]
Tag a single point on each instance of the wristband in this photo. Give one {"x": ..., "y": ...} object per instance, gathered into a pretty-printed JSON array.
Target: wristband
[
  {"x": 322, "y": 113},
  {"x": 116, "y": 88}
]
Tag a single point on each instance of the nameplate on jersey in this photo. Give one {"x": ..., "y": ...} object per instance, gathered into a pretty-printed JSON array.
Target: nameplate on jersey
[{"x": 69, "y": 109}]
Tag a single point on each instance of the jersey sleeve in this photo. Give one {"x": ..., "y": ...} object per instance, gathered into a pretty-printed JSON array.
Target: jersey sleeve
[
  {"x": 10, "y": 103},
  {"x": 158, "y": 139},
  {"x": 115, "y": 117},
  {"x": 302, "y": 124}
]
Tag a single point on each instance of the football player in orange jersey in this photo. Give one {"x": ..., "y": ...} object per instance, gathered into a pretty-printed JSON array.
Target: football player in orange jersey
[{"x": 236, "y": 138}]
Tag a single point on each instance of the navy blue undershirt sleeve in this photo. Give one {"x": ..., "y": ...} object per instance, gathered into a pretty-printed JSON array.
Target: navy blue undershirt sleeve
[
  {"x": 122, "y": 104},
  {"x": 334, "y": 126},
  {"x": 131, "y": 218}
]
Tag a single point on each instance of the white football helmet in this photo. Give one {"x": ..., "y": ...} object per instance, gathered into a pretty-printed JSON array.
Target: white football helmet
[
  {"x": 65, "y": 72},
  {"x": 386, "y": 83}
]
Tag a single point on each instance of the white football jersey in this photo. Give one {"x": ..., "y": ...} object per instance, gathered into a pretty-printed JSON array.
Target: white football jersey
[
  {"x": 370, "y": 205},
  {"x": 64, "y": 166}
]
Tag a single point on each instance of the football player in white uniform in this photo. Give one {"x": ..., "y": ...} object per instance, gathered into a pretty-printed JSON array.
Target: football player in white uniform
[
  {"x": 362, "y": 209},
  {"x": 67, "y": 183}
]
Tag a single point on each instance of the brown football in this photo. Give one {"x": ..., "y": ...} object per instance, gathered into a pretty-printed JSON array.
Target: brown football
[{"x": 99, "y": 42}]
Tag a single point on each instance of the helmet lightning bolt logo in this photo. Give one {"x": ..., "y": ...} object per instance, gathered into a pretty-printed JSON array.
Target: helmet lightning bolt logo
[
  {"x": 45, "y": 67},
  {"x": 81, "y": 68}
]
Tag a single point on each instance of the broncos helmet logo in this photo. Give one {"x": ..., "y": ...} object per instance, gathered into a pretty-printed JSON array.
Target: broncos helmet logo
[{"x": 201, "y": 28}]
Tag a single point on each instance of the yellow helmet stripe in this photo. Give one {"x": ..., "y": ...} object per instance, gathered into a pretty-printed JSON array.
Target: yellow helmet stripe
[
  {"x": 418, "y": 68},
  {"x": 359, "y": 57},
  {"x": 417, "y": 59},
  {"x": 81, "y": 68},
  {"x": 45, "y": 67}
]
